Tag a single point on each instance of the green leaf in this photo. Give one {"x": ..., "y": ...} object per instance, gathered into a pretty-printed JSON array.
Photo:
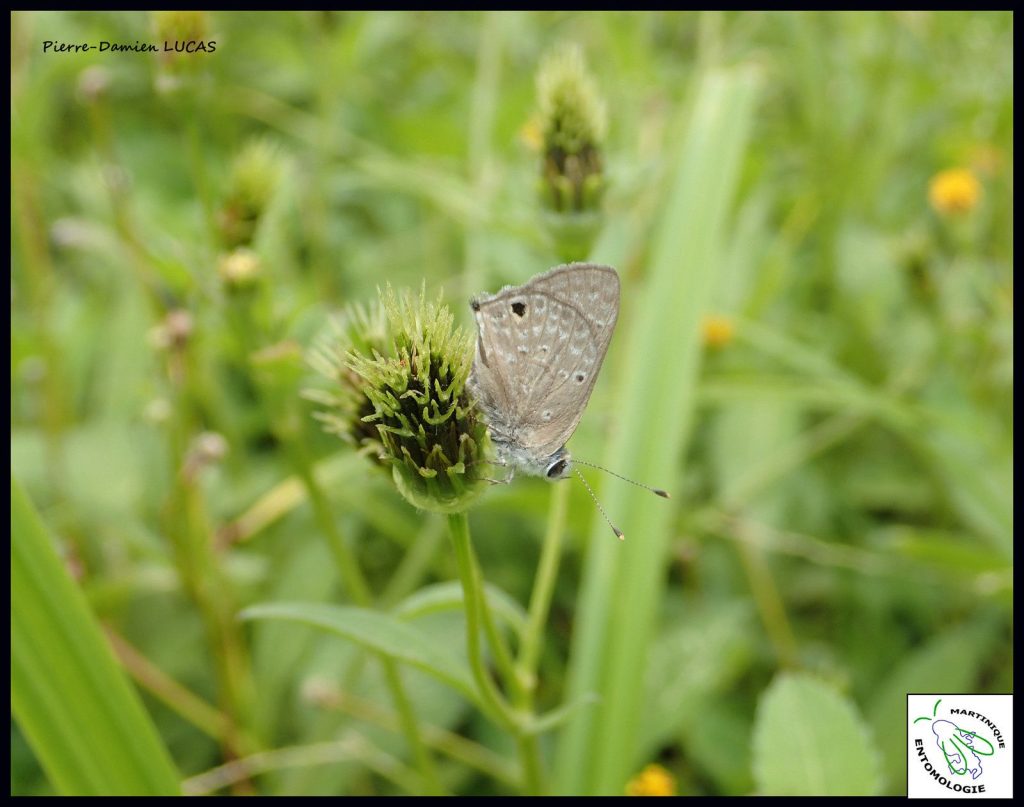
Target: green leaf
[
  {"x": 375, "y": 631},
  {"x": 980, "y": 483},
  {"x": 810, "y": 741},
  {"x": 688, "y": 664},
  {"x": 82, "y": 718},
  {"x": 723, "y": 723},
  {"x": 448, "y": 597},
  {"x": 278, "y": 647}
]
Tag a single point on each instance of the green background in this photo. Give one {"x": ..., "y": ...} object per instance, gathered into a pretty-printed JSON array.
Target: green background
[{"x": 840, "y": 531}]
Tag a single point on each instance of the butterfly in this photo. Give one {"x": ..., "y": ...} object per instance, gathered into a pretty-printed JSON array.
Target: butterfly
[{"x": 539, "y": 350}]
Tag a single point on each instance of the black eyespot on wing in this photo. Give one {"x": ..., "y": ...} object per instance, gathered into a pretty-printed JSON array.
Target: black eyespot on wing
[
  {"x": 580, "y": 378},
  {"x": 519, "y": 309}
]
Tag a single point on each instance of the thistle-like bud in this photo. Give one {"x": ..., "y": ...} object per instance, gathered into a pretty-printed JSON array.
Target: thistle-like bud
[
  {"x": 207, "y": 449},
  {"x": 174, "y": 332},
  {"x": 398, "y": 373},
  {"x": 176, "y": 34},
  {"x": 252, "y": 182},
  {"x": 572, "y": 124},
  {"x": 174, "y": 27},
  {"x": 573, "y": 121}
]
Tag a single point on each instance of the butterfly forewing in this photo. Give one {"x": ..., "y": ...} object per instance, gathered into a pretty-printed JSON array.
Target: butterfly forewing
[{"x": 541, "y": 346}]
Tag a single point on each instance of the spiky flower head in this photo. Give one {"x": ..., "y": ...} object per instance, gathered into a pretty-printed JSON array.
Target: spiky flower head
[
  {"x": 571, "y": 128},
  {"x": 398, "y": 373},
  {"x": 253, "y": 180}
]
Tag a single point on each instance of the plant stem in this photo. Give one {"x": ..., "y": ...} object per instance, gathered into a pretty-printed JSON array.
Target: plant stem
[
  {"x": 344, "y": 559},
  {"x": 518, "y": 721},
  {"x": 543, "y": 588},
  {"x": 208, "y": 719},
  {"x": 207, "y": 583},
  {"x": 502, "y": 655},
  {"x": 469, "y": 576},
  {"x": 540, "y": 603},
  {"x": 411, "y": 729},
  {"x": 350, "y": 749},
  {"x": 414, "y": 565},
  {"x": 192, "y": 112},
  {"x": 454, "y": 745}
]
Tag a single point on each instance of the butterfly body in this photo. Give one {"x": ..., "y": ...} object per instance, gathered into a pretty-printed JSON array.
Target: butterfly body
[{"x": 539, "y": 349}]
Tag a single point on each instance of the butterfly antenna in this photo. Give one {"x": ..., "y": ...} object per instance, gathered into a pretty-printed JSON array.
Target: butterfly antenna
[
  {"x": 616, "y": 530},
  {"x": 656, "y": 491}
]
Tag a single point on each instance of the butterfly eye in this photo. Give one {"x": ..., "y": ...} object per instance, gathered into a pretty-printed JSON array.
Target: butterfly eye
[{"x": 557, "y": 469}]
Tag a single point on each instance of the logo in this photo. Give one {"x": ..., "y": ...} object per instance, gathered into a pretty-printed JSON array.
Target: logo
[{"x": 959, "y": 746}]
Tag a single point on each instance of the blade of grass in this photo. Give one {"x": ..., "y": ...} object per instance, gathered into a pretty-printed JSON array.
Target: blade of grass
[
  {"x": 84, "y": 721},
  {"x": 622, "y": 582}
]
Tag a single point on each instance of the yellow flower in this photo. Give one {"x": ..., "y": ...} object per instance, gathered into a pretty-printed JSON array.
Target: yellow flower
[
  {"x": 954, "y": 191},
  {"x": 653, "y": 780},
  {"x": 717, "y": 331}
]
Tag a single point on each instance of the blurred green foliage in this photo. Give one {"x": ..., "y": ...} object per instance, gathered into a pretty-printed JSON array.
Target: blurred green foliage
[{"x": 184, "y": 227}]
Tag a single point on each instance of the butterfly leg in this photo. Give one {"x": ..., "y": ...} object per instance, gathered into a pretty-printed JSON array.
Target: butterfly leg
[{"x": 504, "y": 481}]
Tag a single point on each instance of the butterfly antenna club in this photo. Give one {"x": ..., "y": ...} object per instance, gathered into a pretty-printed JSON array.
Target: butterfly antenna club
[
  {"x": 616, "y": 530},
  {"x": 655, "y": 491}
]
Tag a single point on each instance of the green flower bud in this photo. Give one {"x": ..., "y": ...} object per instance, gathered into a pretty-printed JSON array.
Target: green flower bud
[
  {"x": 573, "y": 122},
  {"x": 398, "y": 373},
  {"x": 252, "y": 182},
  {"x": 171, "y": 30}
]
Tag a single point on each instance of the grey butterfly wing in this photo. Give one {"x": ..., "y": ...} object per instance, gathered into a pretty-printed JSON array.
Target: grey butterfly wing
[
  {"x": 541, "y": 346},
  {"x": 489, "y": 378}
]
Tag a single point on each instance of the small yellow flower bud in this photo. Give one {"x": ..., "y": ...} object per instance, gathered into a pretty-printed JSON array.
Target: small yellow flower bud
[
  {"x": 653, "y": 780},
  {"x": 717, "y": 331},
  {"x": 239, "y": 269}
]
